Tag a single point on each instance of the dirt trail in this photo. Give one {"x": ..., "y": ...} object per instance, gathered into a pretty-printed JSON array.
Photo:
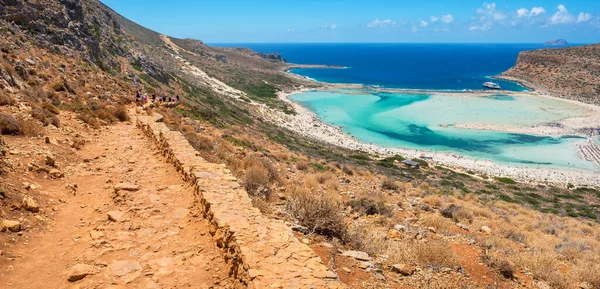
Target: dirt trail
[{"x": 160, "y": 241}]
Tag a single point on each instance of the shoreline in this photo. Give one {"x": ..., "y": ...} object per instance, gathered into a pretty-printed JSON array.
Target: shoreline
[{"x": 308, "y": 124}]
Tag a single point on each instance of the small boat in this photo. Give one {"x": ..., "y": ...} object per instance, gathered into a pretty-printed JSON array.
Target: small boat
[{"x": 491, "y": 85}]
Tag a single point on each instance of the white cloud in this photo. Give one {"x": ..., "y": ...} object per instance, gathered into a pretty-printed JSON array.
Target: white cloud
[
  {"x": 523, "y": 12},
  {"x": 423, "y": 23},
  {"x": 584, "y": 17},
  {"x": 488, "y": 17},
  {"x": 562, "y": 16},
  {"x": 330, "y": 26},
  {"x": 382, "y": 24},
  {"x": 434, "y": 19},
  {"x": 290, "y": 30},
  {"x": 535, "y": 11},
  {"x": 448, "y": 18}
]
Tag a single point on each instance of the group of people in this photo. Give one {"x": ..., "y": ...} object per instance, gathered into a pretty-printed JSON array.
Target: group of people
[{"x": 141, "y": 99}]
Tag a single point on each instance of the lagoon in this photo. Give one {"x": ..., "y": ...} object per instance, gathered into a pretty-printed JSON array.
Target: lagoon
[{"x": 426, "y": 122}]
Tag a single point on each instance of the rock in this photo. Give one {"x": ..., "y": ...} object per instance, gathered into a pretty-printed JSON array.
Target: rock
[
  {"x": 29, "y": 61},
  {"x": 462, "y": 226},
  {"x": 127, "y": 270},
  {"x": 363, "y": 266},
  {"x": 29, "y": 204},
  {"x": 50, "y": 161},
  {"x": 486, "y": 229},
  {"x": 115, "y": 216},
  {"x": 12, "y": 226},
  {"x": 126, "y": 187},
  {"x": 542, "y": 285},
  {"x": 379, "y": 277},
  {"x": 79, "y": 271},
  {"x": 393, "y": 234},
  {"x": 56, "y": 174},
  {"x": 358, "y": 255},
  {"x": 400, "y": 227},
  {"x": 403, "y": 269},
  {"x": 95, "y": 235},
  {"x": 347, "y": 270},
  {"x": 584, "y": 285},
  {"x": 431, "y": 229}
]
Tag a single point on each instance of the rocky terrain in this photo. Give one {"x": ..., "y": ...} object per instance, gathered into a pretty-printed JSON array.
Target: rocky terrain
[
  {"x": 572, "y": 72},
  {"x": 96, "y": 192}
]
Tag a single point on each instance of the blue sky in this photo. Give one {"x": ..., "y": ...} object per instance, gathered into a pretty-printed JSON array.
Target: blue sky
[{"x": 245, "y": 21}]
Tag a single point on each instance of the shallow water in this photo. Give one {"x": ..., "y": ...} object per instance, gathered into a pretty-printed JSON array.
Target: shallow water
[{"x": 424, "y": 122}]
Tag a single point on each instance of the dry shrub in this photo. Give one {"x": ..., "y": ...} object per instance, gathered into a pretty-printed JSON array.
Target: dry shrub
[
  {"x": 261, "y": 204},
  {"x": 6, "y": 99},
  {"x": 264, "y": 162},
  {"x": 256, "y": 181},
  {"x": 504, "y": 267},
  {"x": 88, "y": 119},
  {"x": 149, "y": 111},
  {"x": 332, "y": 184},
  {"x": 302, "y": 165},
  {"x": 458, "y": 214},
  {"x": 436, "y": 221},
  {"x": 200, "y": 142},
  {"x": 544, "y": 266},
  {"x": 45, "y": 116},
  {"x": 323, "y": 177},
  {"x": 370, "y": 207},
  {"x": 433, "y": 200},
  {"x": 320, "y": 213},
  {"x": 588, "y": 271},
  {"x": 389, "y": 184},
  {"x": 9, "y": 125},
  {"x": 347, "y": 170},
  {"x": 9, "y": 68},
  {"x": 120, "y": 113},
  {"x": 573, "y": 250},
  {"x": 435, "y": 253},
  {"x": 105, "y": 115},
  {"x": 50, "y": 108},
  {"x": 311, "y": 182},
  {"x": 31, "y": 128},
  {"x": 377, "y": 243}
]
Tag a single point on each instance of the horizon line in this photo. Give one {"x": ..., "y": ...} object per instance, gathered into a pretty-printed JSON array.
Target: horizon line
[{"x": 266, "y": 42}]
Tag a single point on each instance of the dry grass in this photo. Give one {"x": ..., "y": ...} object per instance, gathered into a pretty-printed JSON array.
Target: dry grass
[
  {"x": 389, "y": 184},
  {"x": 438, "y": 222},
  {"x": 320, "y": 213},
  {"x": 6, "y": 99},
  {"x": 433, "y": 200},
  {"x": 256, "y": 181},
  {"x": 370, "y": 207},
  {"x": 436, "y": 253},
  {"x": 302, "y": 165},
  {"x": 120, "y": 112}
]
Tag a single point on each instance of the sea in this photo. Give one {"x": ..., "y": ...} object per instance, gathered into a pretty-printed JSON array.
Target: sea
[{"x": 431, "y": 121}]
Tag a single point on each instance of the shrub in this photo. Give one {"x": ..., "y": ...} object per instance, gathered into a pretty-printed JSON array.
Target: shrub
[
  {"x": 6, "y": 99},
  {"x": 302, "y": 165},
  {"x": 120, "y": 112},
  {"x": 50, "y": 108},
  {"x": 320, "y": 213},
  {"x": 256, "y": 181},
  {"x": 31, "y": 127},
  {"x": 504, "y": 268},
  {"x": 435, "y": 254},
  {"x": 199, "y": 142},
  {"x": 389, "y": 184},
  {"x": 88, "y": 119},
  {"x": 457, "y": 213},
  {"x": 347, "y": 170},
  {"x": 369, "y": 207},
  {"x": 9, "y": 125},
  {"x": 507, "y": 181},
  {"x": 45, "y": 116}
]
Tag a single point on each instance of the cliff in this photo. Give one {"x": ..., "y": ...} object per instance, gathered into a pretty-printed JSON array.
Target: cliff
[{"x": 572, "y": 72}]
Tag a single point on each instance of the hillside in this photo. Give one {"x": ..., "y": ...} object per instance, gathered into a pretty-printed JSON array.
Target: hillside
[
  {"x": 572, "y": 72},
  {"x": 97, "y": 192}
]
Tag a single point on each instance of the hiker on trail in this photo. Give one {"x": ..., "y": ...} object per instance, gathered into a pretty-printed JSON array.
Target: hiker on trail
[{"x": 177, "y": 98}]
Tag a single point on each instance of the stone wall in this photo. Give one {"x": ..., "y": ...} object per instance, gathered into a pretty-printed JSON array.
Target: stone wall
[{"x": 262, "y": 252}]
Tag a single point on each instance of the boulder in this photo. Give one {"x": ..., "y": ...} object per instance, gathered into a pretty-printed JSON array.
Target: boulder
[
  {"x": 80, "y": 271},
  {"x": 126, "y": 270},
  {"x": 358, "y": 255},
  {"x": 50, "y": 161},
  {"x": 485, "y": 229},
  {"x": 115, "y": 216},
  {"x": 29, "y": 204},
  {"x": 403, "y": 269},
  {"x": 126, "y": 187},
  {"x": 12, "y": 226},
  {"x": 56, "y": 174}
]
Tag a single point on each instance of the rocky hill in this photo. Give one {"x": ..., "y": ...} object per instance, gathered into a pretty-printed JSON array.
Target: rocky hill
[
  {"x": 557, "y": 42},
  {"x": 572, "y": 72}
]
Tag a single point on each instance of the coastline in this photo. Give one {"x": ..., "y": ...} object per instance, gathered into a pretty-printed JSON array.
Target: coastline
[{"x": 307, "y": 123}]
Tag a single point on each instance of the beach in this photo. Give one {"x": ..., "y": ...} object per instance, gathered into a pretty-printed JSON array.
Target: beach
[{"x": 307, "y": 124}]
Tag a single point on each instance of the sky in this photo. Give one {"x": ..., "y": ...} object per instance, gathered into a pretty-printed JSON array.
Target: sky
[{"x": 423, "y": 21}]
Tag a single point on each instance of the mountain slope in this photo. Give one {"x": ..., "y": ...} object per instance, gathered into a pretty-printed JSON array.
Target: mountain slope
[{"x": 572, "y": 72}]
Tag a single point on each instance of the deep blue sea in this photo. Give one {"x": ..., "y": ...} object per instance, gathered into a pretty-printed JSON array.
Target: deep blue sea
[{"x": 408, "y": 66}]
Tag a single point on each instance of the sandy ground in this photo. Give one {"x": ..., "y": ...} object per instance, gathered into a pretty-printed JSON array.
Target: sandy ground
[
  {"x": 158, "y": 242},
  {"x": 307, "y": 124}
]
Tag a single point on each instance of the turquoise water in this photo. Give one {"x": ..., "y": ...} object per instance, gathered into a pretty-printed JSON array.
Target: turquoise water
[{"x": 425, "y": 122}]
